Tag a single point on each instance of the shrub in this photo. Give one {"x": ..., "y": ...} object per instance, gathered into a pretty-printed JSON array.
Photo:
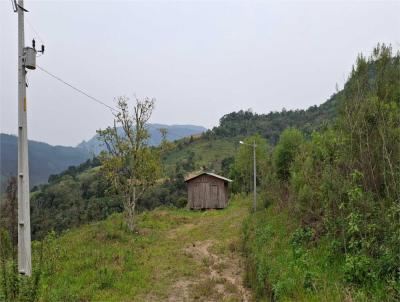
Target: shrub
[{"x": 181, "y": 202}]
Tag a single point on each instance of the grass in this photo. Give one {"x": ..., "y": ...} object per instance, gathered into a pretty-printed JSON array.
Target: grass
[
  {"x": 206, "y": 290},
  {"x": 276, "y": 271},
  {"x": 104, "y": 262}
]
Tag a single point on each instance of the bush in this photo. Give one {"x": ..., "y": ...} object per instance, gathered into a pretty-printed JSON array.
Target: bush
[
  {"x": 181, "y": 202},
  {"x": 343, "y": 185},
  {"x": 359, "y": 269}
]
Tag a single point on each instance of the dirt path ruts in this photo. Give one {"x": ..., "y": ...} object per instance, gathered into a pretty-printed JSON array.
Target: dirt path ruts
[
  {"x": 201, "y": 256},
  {"x": 222, "y": 279}
]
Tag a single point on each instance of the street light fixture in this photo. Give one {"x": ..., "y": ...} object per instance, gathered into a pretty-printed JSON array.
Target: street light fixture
[{"x": 254, "y": 173}]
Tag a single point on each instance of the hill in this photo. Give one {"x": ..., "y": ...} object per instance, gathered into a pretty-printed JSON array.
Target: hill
[
  {"x": 214, "y": 149},
  {"x": 201, "y": 153},
  {"x": 324, "y": 229},
  {"x": 175, "y": 132},
  {"x": 180, "y": 255},
  {"x": 327, "y": 224},
  {"x": 44, "y": 159},
  {"x": 270, "y": 125},
  {"x": 82, "y": 188}
]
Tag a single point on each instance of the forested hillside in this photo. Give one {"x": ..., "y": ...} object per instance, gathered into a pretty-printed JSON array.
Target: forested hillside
[
  {"x": 44, "y": 159},
  {"x": 271, "y": 125},
  {"x": 329, "y": 219}
]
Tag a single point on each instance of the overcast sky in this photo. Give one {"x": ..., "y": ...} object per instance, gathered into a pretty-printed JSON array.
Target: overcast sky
[{"x": 200, "y": 60}]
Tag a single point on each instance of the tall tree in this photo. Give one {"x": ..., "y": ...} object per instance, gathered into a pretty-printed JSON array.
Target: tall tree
[{"x": 130, "y": 164}]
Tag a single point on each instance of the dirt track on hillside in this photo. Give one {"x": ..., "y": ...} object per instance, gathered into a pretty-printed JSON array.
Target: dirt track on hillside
[
  {"x": 222, "y": 279},
  {"x": 209, "y": 245}
]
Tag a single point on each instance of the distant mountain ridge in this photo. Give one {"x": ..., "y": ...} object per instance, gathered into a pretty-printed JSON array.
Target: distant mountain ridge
[
  {"x": 45, "y": 159},
  {"x": 175, "y": 132}
]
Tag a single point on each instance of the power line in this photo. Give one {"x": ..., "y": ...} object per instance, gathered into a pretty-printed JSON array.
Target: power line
[
  {"x": 113, "y": 110},
  {"x": 77, "y": 89},
  {"x": 34, "y": 29}
]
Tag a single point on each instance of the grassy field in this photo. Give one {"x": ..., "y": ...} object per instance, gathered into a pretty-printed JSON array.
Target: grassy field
[
  {"x": 207, "y": 153},
  {"x": 177, "y": 255}
]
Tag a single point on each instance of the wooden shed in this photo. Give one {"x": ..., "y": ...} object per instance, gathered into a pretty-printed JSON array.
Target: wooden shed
[{"x": 207, "y": 191}]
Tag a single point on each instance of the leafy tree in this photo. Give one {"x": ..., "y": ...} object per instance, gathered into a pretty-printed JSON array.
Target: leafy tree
[
  {"x": 130, "y": 165},
  {"x": 285, "y": 152},
  {"x": 72, "y": 199}
]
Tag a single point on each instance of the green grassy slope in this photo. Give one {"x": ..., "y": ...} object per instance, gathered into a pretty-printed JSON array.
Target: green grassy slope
[
  {"x": 181, "y": 255},
  {"x": 173, "y": 256},
  {"x": 207, "y": 153}
]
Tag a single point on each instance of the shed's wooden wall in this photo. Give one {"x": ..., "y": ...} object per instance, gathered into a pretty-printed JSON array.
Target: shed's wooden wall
[{"x": 207, "y": 192}]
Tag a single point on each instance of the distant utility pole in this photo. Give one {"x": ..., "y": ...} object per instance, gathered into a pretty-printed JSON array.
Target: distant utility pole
[
  {"x": 26, "y": 59},
  {"x": 254, "y": 173}
]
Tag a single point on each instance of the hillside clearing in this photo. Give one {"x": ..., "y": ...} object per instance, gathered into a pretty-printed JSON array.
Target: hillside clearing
[
  {"x": 177, "y": 255},
  {"x": 205, "y": 153}
]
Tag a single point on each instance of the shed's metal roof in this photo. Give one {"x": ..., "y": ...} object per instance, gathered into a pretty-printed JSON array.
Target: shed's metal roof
[{"x": 208, "y": 173}]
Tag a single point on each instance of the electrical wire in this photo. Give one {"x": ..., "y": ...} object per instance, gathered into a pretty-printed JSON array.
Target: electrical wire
[
  {"x": 38, "y": 36},
  {"x": 113, "y": 110}
]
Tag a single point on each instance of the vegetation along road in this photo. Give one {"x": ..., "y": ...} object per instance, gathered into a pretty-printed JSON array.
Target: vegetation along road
[{"x": 177, "y": 255}]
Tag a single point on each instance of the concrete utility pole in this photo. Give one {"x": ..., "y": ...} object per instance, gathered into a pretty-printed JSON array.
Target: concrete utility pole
[
  {"x": 24, "y": 220},
  {"x": 254, "y": 173}
]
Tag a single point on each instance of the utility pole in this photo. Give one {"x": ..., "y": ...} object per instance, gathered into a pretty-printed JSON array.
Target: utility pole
[
  {"x": 254, "y": 178},
  {"x": 254, "y": 173},
  {"x": 26, "y": 60},
  {"x": 24, "y": 220}
]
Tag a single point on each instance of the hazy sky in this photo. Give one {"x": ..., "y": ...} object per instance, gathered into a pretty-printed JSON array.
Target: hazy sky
[{"x": 200, "y": 60}]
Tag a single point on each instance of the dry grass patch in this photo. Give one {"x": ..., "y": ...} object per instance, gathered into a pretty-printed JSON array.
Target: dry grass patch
[{"x": 206, "y": 290}]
